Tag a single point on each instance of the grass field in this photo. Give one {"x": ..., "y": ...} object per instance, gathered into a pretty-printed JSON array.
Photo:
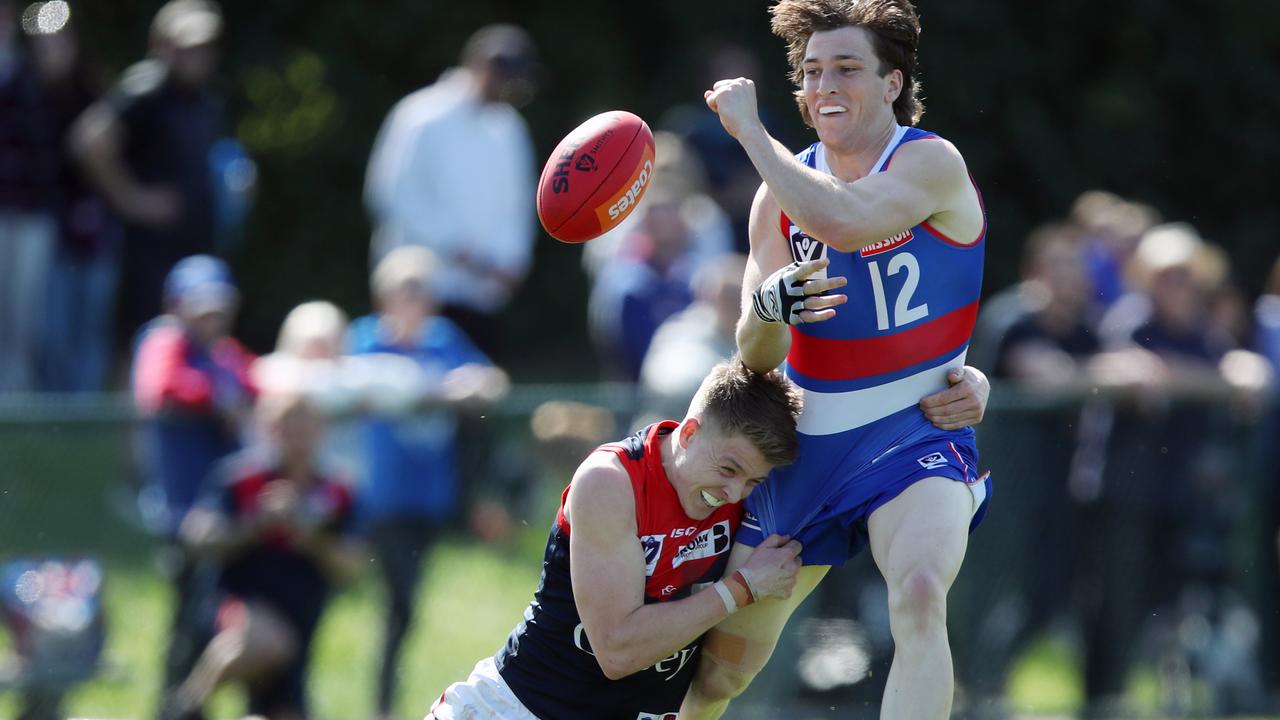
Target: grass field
[
  {"x": 458, "y": 622},
  {"x": 56, "y": 498},
  {"x": 471, "y": 598}
]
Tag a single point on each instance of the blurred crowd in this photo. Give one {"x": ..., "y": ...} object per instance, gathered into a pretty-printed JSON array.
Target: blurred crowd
[
  {"x": 1143, "y": 491},
  {"x": 271, "y": 479}
]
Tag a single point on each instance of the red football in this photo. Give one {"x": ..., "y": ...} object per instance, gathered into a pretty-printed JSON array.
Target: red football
[{"x": 595, "y": 176}]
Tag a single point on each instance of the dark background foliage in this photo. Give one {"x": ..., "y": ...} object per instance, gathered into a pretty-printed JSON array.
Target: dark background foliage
[{"x": 1174, "y": 104}]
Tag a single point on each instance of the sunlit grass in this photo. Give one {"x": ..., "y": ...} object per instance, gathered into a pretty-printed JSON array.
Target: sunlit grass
[
  {"x": 472, "y": 597},
  {"x": 1046, "y": 680}
]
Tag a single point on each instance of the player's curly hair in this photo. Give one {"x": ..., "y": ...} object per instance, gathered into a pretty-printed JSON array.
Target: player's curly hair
[
  {"x": 895, "y": 32},
  {"x": 762, "y": 407}
]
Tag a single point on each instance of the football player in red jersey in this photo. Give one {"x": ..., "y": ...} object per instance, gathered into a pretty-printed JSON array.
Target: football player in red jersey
[{"x": 632, "y": 572}]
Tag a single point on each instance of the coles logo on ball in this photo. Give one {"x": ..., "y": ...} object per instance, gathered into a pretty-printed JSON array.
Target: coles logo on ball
[{"x": 613, "y": 208}]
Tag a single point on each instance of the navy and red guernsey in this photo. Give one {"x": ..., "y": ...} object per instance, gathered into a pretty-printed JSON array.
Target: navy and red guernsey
[{"x": 547, "y": 661}]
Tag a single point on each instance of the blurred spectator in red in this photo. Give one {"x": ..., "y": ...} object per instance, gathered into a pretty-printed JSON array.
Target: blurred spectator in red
[
  {"x": 30, "y": 144},
  {"x": 453, "y": 170},
  {"x": 76, "y": 348},
  {"x": 191, "y": 384},
  {"x": 193, "y": 393},
  {"x": 146, "y": 148},
  {"x": 411, "y": 490},
  {"x": 282, "y": 533}
]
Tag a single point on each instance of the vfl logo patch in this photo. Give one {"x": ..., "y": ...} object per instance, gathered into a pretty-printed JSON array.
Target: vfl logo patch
[
  {"x": 708, "y": 543},
  {"x": 652, "y": 545},
  {"x": 805, "y": 248},
  {"x": 932, "y": 460},
  {"x": 887, "y": 244},
  {"x": 651, "y": 716}
]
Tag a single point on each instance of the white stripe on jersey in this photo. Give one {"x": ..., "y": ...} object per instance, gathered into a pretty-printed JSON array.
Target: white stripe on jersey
[
  {"x": 831, "y": 413},
  {"x": 820, "y": 155}
]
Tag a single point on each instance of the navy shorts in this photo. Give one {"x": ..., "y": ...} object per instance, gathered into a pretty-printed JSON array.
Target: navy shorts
[{"x": 825, "y": 498}]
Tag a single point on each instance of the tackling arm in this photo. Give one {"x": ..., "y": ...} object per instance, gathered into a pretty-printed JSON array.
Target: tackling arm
[{"x": 607, "y": 567}]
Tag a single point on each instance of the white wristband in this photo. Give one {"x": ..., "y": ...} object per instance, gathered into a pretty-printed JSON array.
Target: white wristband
[{"x": 726, "y": 596}]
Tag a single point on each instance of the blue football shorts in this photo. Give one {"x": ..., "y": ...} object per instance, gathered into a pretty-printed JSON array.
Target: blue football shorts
[{"x": 824, "y": 499}]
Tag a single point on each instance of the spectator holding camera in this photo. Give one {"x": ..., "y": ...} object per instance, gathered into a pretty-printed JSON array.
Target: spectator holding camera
[{"x": 280, "y": 531}]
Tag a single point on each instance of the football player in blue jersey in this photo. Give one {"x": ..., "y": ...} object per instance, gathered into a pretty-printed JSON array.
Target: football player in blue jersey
[{"x": 864, "y": 275}]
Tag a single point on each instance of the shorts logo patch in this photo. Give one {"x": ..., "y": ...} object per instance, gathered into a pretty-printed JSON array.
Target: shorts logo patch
[
  {"x": 710, "y": 542},
  {"x": 651, "y": 716},
  {"x": 932, "y": 460},
  {"x": 652, "y": 545}
]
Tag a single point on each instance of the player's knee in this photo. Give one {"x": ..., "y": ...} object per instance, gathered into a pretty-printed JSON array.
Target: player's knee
[
  {"x": 718, "y": 681},
  {"x": 919, "y": 596}
]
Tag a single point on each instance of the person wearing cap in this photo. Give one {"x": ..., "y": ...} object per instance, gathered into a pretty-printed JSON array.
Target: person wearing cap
[
  {"x": 193, "y": 394},
  {"x": 411, "y": 489},
  {"x": 146, "y": 147},
  {"x": 452, "y": 170}
]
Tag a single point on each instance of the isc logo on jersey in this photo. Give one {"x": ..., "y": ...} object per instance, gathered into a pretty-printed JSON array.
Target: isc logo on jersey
[{"x": 708, "y": 543}]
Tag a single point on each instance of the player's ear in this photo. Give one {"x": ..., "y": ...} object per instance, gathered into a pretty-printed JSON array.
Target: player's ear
[
  {"x": 895, "y": 86},
  {"x": 688, "y": 429}
]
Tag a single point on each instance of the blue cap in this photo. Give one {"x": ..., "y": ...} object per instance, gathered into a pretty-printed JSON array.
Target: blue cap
[{"x": 201, "y": 283}]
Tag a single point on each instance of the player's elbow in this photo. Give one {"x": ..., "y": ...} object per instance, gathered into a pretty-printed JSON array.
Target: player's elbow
[
  {"x": 617, "y": 664},
  {"x": 617, "y": 656}
]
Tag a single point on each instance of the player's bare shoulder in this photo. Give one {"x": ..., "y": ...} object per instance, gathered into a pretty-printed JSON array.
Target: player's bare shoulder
[
  {"x": 601, "y": 487},
  {"x": 937, "y": 164}
]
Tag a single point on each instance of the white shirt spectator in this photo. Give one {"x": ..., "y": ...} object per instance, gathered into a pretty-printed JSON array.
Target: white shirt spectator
[{"x": 456, "y": 175}]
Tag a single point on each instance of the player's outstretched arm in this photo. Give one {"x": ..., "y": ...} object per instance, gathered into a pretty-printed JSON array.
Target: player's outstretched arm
[
  {"x": 961, "y": 405},
  {"x": 777, "y": 292},
  {"x": 607, "y": 565},
  {"x": 926, "y": 178}
]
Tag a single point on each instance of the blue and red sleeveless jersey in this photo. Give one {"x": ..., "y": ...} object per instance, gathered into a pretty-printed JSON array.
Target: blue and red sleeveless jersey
[
  {"x": 913, "y": 299},
  {"x": 547, "y": 661}
]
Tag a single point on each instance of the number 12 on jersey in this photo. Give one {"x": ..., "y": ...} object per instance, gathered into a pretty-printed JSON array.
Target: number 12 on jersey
[{"x": 903, "y": 313}]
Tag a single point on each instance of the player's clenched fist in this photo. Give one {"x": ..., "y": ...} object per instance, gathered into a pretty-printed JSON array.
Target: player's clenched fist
[
  {"x": 735, "y": 102},
  {"x": 771, "y": 570}
]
